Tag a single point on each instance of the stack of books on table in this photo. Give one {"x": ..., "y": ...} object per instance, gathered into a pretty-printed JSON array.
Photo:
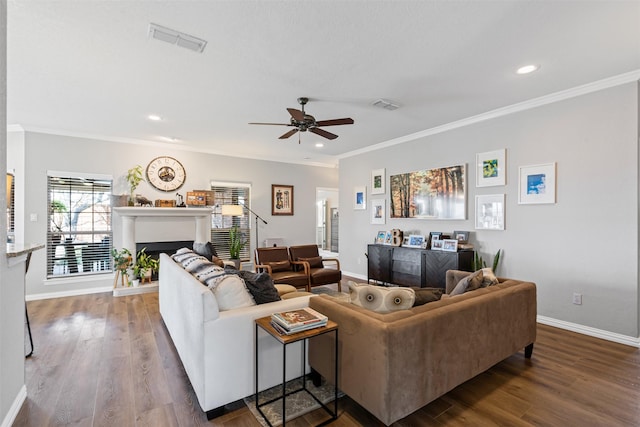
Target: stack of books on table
[{"x": 294, "y": 321}]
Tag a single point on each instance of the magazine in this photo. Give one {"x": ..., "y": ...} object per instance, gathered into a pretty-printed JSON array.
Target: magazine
[
  {"x": 296, "y": 320},
  {"x": 283, "y": 331}
]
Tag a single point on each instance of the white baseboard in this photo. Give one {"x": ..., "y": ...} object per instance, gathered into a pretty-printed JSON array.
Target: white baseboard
[
  {"x": 592, "y": 332},
  {"x": 357, "y": 276},
  {"x": 15, "y": 407},
  {"x": 73, "y": 293}
]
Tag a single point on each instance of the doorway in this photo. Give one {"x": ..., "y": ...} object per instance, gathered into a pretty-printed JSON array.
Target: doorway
[{"x": 327, "y": 217}]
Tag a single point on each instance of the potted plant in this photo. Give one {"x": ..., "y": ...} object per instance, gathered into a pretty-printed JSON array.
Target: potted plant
[
  {"x": 122, "y": 262},
  {"x": 479, "y": 263},
  {"x": 236, "y": 243},
  {"x": 145, "y": 265},
  {"x": 134, "y": 178}
]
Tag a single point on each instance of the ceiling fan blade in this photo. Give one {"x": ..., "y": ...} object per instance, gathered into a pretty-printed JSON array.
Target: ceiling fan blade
[
  {"x": 288, "y": 134},
  {"x": 296, "y": 114},
  {"x": 274, "y": 124},
  {"x": 323, "y": 133},
  {"x": 334, "y": 122}
]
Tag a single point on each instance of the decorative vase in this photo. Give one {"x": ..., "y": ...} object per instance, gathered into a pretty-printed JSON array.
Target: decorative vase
[{"x": 119, "y": 201}]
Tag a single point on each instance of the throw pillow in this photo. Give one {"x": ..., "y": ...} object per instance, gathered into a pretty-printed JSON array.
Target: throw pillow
[
  {"x": 489, "y": 279},
  {"x": 426, "y": 295},
  {"x": 260, "y": 285},
  {"x": 205, "y": 249},
  {"x": 231, "y": 293},
  {"x": 314, "y": 262},
  {"x": 279, "y": 266},
  {"x": 471, "y": 282},
  {"x": 381, "y": 299}
]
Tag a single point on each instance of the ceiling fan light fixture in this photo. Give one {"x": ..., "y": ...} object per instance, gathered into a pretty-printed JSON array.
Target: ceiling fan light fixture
[
  {"x": 178, "y": 38},
  {"x": 319, "y": 144},
  {"x": 387, "y": 105}
]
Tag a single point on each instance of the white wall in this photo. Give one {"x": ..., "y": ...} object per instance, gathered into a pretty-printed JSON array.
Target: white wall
[
  {"x": 586, "y": 243},
  {"x": 63, "y": 153}
]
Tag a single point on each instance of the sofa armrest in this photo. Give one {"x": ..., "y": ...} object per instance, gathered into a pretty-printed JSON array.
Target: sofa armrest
[
  {"x": 304, "y": 264},
  {"x": 332, "y": 260},
  {"x": 263, "y": 267}
]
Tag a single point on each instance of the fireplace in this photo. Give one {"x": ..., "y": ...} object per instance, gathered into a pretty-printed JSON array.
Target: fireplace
[{"x": 154, "y": 249}]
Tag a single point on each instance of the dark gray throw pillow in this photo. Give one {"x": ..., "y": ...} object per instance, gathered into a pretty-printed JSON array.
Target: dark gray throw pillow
[
  {"x": 260, "y": 285},
  {"x": 205, "y": 249}
]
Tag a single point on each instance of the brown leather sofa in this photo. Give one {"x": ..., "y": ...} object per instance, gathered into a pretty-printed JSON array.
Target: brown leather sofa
[
  {"x": 393, "y": 364},
  {"x": 319, "y": 274}
]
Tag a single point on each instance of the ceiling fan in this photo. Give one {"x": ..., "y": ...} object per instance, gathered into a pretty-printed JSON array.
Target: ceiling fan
[{"x": 303, "y": 122}]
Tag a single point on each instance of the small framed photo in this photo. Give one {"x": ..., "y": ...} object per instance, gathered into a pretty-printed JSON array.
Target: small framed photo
[
  {"x": 281, "y": 199},
  {"x": 490, "y": 212},
  {"x": 436, "y": 245},
  {"x": 388, "y": 238},
  {"x": 537, "y": 184},
  {"x": 360, "y": 198},
  {"x": 461, "y": 236},
  {"x": 450, "y": 245},
  {"x": 378, "y": 214},
  {"x": 405, "y": 241},
  {"x": 415, "y": 241},
  {"x": 491, "y": 168},
  {"x": 380, "y": 237},
  {"x": 377, "y": 181}
]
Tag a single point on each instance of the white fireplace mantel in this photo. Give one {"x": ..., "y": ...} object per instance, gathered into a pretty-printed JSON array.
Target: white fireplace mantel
[{"x": 201, "y": 216}]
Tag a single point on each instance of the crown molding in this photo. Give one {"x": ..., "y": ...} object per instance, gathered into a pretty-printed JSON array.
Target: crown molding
[{"x": 632, "y": 76}]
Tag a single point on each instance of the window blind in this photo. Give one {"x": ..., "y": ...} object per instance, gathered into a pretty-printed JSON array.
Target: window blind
[
  {"x": 79, "y": 236},
  {"x": 230, "y": 194}
]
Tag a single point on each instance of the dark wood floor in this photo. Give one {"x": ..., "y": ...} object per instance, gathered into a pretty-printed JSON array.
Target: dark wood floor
[{"x": 105, "y": 361}]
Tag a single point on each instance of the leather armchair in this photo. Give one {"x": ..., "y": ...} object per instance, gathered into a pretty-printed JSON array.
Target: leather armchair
[
  {"x": 319, "y": 274},
  {"x": 275, "y": 261}
]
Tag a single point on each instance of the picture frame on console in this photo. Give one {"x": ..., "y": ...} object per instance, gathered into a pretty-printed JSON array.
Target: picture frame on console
[
  {"x": 281, "y": 199},
  {"x": 449, "y": 245},
  {"x": 436, "y": 244},
  {"x": 414, "y": 241},
  {"x": 380, "y": 237},
  {"x": 461, "y": 236}
]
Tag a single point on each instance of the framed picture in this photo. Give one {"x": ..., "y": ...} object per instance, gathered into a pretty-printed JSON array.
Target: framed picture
[
  {"x": 405, "y": 241},
  {"x": 490, "y": 212},
  {"x": 377, "y": 181},
  {"x": 438, "y": 193},
  {"x": 415, "y": 241},
  {"x": 380, "y": 237},
  {"x": 388, "y": 238},
  {"x": 436, "y": 245},
  {"x": 537, "y": 184},
  {"x": 378, "y": 211},
  {"x": 360, "y": 197},
  {"x": 461, "y": 236},
  {"x": 491, "y": 168},
  {"x": 281, "y": 199},
  {"x": 450, "y": 245}
]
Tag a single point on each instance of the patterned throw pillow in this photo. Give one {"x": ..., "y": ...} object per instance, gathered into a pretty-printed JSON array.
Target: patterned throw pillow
[
  {"x": 471, "y": 282},
  {"x": 381, "y": 299}
]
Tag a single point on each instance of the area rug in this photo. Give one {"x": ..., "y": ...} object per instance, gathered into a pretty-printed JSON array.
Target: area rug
[{"x": 297, "y": 404}]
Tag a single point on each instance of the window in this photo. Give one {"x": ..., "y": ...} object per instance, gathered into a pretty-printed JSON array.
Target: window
[
  {"x": 79, "y": 237},
  {"x": 230, "y": 194}
]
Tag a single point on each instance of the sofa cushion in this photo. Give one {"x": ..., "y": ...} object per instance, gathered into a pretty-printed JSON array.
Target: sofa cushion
[
  {"x": 381, "y": 299},
  {"x": 314, "y": 262},
  {"x": 488, "y": 277},
  {"x": 426, "y": 295},
  {"x": 260, "y": 285},
  {"x": 277, "y": 266},
  {"x": 231, "y": 293},
  {"x": 472, "y": 282}
]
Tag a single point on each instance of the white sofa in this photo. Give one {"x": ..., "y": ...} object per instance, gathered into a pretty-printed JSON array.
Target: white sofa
[{"x": 217, "y": 348}]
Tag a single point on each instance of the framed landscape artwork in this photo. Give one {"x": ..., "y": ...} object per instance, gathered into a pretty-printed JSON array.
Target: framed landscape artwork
[
  {"x": 281, "y": 199},
  {"x": 429, "y": 194},
  {"x": 377, "y": 181},
  {"x": 537, "y": 184},
  {"x": 491, "y": 168}
]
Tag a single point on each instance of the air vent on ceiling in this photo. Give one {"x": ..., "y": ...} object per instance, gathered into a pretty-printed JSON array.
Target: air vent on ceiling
[
  {"x": 168, "y": 35},
  {"x": 387, "y": 105}
]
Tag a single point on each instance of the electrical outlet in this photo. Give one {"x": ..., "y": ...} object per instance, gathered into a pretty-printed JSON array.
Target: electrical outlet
[
  {"x": 33, "y": 217},
  {"x": 359, "y": 261},
  {"x": 577, "y": 299}
]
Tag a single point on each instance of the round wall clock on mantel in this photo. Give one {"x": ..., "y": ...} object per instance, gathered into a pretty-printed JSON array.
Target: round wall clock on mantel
[{"x": 166, "y": 173}]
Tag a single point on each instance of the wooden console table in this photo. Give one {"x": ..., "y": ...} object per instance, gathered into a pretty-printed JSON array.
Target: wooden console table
[{"x": 414, "y": 267}]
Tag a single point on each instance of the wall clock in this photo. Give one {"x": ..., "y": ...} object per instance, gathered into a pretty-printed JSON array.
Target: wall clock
[{"x": 166, "y": 173}]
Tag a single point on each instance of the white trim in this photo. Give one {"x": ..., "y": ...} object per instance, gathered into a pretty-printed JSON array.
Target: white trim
[
  {"x": 230, "y": 184},
  {"x": 63, "y": 174},
  {"x": 72, "y": 293},
  {"x": 621, "y": 79},
  {"x": 15, "y": 407},
  {"x": 592, "y": 332}
]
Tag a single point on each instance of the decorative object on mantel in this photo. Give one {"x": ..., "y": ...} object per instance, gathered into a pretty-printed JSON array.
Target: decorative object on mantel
[
  {"x": 143, "y": 201},
  {"x": 196, "y": 198},
  {"x": 159, "y": 203},
  {"x": 166, "y": 173},
  {"x": 134, "y": 178}
]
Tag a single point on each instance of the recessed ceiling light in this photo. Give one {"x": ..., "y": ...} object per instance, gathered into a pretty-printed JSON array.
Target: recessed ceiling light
[
  {"x": 528, "y": 69},
  {"x": 319, "y": 144},
  {"x": 170, "y": 138},
  {"x": 154, "y": 117}
]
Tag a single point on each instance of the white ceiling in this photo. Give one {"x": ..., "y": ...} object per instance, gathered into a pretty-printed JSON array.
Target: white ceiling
[{"x": 88, "y": 68}]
